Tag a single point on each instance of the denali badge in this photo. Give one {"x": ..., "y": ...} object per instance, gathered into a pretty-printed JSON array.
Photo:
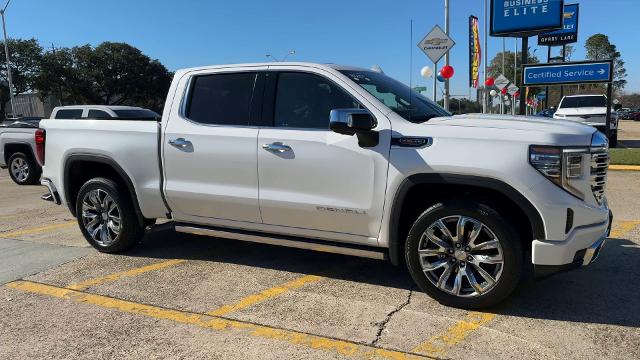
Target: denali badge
[{"x": 341, "y": 210}]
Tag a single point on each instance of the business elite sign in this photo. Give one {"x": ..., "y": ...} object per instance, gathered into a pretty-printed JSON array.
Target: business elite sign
[
  {"x": 518, "y": 18},
  {"x": 475, "y": 52},
  {"x": 569, "y": 34}
]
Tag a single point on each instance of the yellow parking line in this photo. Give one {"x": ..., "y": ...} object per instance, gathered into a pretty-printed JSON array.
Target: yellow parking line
[
  {"x": 438, "y": 345},
  {"x": 623, "y": 228},
  {"x": 38, "y": 229},
  {"x": 266, "y": 294},
  {"x": 333, "y": 346},
  {"x": 624, "y": 167},
  {"x": 129, "y": 273}
]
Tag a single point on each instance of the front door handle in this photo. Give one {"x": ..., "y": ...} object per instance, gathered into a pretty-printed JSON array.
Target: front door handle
[
  {"x": 276, "y": 147},
  {"x": 180, "y": 143}
]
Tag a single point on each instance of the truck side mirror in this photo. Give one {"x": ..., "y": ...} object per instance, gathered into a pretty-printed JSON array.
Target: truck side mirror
[{"x": 351, "y": 121}]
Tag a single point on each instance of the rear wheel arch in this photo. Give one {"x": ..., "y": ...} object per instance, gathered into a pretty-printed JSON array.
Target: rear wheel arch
[
  {"x": 418, "y": 192},
  {"x": 80, "y": 168},
  {"x": 12, "y": 148}
]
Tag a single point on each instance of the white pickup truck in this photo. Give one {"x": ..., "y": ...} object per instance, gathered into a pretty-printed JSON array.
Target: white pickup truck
[
  {"x": 346, "y": 160},
  {"x": 590, "y": 110}
]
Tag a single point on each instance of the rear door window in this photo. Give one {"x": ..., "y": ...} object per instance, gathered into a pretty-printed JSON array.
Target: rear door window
[
  {"x": 222, "y": 99},
  {"x": 69, "y": 114},
  {"x": 98, "y": 114}
]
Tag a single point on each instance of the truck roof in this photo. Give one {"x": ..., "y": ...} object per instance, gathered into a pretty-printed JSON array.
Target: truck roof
[
  {"x": 585, "y": 95},
  {"x": 110, "y": 107},
  {"x": 287, "y": 63}
]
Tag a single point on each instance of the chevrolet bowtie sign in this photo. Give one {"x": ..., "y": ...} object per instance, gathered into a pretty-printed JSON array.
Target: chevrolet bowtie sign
[
  {"x": 569, "y": 34},
  {"x": 436, "y": 44}
]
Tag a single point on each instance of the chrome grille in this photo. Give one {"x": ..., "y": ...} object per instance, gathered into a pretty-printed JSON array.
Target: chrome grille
[{"x": 599, "y": 167}]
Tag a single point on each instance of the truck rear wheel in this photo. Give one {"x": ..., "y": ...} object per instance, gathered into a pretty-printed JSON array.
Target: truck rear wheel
[
  {"x": 464, "y": 254},
  {"x": 23, "y": 169},
  {"x": 106, "y": 216}
]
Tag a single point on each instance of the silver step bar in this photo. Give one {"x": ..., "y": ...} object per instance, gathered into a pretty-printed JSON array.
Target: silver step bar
[{"x": 273, "y": 239}]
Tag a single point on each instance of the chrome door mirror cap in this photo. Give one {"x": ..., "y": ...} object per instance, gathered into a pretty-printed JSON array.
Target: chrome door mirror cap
[{"x": 351, "y": 121}]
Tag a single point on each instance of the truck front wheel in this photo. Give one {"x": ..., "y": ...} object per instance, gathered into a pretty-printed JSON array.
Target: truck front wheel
[
  {"x": 106, "y": 216},
  {"x": 464, "y": 254}
]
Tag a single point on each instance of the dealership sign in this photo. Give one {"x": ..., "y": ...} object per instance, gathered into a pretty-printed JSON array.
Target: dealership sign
[
  {"x": 568, "y": 73},
  {"x": 436, "y": 44},
  {"x": 569, "y": 34},
  {"x": 525, "y": 17}
]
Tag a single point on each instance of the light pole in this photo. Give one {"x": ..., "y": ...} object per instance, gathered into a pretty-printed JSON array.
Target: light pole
[
  {"x": 485, "y": 98},
  {"x": 273, "y": 58},
  {"x": 445, "y": 101},
  {"x": 6, "y": 54}
]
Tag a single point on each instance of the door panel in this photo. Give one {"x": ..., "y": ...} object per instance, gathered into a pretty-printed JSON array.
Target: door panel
[
  {"x": 209, "y": 150},
  {"x": 325, "y": 182},
  {"x": 312, "y": 178},
  {"x": 217, "y": 177}
]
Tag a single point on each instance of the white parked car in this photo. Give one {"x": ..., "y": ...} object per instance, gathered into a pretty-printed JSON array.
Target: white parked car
[
  {"x": 590, "y": 110},
  {"x": 347, "y": 160}
]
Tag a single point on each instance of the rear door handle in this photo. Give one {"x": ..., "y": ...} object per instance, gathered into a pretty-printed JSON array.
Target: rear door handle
[
  {"x": 180, "y": 143},
  {"x": 276, "y": 147}
]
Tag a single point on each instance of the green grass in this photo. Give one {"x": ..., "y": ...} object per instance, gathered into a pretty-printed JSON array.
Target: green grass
[{"x": 625, "y": 156}]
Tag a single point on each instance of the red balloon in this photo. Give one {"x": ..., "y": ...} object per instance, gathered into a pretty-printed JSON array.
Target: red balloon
[
  {"x": 447, "y": 72},
  {"x": 504, "y": 91},
  {"x": 490, "y": 81}
]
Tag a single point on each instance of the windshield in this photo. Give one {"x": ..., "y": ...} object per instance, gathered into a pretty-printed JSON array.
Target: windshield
[
  {"x": 397, "y": 96},
  {"x": 584, "y": 101},
  {"x": 137, "y": 114}
]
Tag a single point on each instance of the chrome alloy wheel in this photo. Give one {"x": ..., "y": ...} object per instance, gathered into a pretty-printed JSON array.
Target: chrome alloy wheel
[
  {"x": 20, "y": 169},
  {"x": 461, "y": 256},
  {"x": 101, "y": 217}
]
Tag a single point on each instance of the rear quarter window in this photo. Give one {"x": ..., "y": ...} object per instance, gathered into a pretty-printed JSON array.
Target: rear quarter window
[{"x": 69, "y": 114}]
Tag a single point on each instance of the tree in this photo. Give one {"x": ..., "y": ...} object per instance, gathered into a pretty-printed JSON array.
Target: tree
[
  {"x": 495, "y": 66},
  {"x": 110, "y": 74},
  {"x": 630, "y": 100},
  {"x": 25, "y": 57},
  {"x": 599, "y": 47},
  {"x": 569, "y": 50}
]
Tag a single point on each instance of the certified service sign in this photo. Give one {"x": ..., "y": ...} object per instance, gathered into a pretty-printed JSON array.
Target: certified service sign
[{"x": 525, "y": 17}]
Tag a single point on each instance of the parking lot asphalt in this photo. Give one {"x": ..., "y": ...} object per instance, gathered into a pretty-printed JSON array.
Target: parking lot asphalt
[
  {"x": 629, "y": 134},
  {"x": 182, "y": 296}
]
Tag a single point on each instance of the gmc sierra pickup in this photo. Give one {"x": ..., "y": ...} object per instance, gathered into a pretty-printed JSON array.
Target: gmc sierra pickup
[{"x": 347, "y": 160}]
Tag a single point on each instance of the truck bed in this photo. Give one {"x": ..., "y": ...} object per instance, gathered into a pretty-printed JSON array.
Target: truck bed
[{"x": 131, "y": 144}]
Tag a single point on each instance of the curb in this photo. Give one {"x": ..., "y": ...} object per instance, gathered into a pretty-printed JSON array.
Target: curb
[{"x": 624, "y": 167}]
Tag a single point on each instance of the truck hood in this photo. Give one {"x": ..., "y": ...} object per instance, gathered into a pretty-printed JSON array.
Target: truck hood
[{"x": 507, "y": 122}]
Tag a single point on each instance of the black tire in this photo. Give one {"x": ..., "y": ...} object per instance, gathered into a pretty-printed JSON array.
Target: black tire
[
  {"x": 508, "y": 238},
  {"x": 130, "y": 231},
  {"x": 33, "y": 169}
]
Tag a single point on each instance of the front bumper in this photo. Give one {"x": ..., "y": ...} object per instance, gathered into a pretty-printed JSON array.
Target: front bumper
[{"x": 581, "y": 249}]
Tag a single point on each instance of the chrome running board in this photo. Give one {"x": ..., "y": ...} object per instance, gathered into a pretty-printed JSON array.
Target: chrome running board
[{"x": 283, "y": 240}]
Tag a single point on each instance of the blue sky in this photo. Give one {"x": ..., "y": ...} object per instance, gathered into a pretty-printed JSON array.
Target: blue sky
[{"x": 197, "y": 32}]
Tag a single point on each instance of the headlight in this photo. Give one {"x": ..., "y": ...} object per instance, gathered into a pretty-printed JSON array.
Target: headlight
[{"x": 564, "y": 167}]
